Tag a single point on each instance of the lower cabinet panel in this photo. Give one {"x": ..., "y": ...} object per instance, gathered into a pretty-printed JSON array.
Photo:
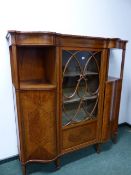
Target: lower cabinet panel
[
  {"x": 111, "y": 109},
  {"x": 79, "y": 134},
  {"x": 108, "y": 106},
  {"x": 38, "y": 124}
]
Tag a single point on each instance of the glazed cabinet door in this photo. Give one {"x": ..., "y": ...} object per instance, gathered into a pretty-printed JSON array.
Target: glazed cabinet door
[{"x": 83, "y": 77}]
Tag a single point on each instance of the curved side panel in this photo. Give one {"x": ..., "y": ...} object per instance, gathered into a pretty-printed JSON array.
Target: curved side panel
[{"x": 111, "y": 109}]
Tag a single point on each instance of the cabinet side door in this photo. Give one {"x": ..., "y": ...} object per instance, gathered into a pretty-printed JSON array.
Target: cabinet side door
[
  {"x": 111, "y": 109},
  {"x": 38, "y": 117}
]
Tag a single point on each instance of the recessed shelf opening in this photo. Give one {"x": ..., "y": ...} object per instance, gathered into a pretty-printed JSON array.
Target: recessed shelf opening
[{"x": 37, "y": 66}]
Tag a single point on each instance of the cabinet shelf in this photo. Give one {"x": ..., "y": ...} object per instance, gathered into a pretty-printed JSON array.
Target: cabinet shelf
[
  {"x": 112, "y": 78},
  {"x": 81, "y": 116},
  {"x": 36, "y": 85},
  {"x": 77, "y": 73},
  {"x": 76, "y": 97}
]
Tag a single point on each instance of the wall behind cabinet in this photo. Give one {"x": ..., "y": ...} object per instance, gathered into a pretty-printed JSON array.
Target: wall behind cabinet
[{"x": 83, "y": 17}]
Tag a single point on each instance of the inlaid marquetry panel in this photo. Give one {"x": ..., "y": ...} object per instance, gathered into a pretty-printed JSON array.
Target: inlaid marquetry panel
[
  {"x": 74, "y": 136},
  {"x": 39, "y": 120}
]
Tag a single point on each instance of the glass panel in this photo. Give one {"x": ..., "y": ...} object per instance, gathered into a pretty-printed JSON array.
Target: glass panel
[
  {"x": 79, "y": 111},
  {"x": 114, "y": 63},
  {"x": 80, "y": 85}
]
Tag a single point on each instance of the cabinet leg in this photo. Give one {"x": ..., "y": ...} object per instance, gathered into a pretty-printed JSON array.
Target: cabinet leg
[
  {"x": 57, "y": 163},
  {"x": 98, "y": 147},
  {"x": 114, "y": 138},
  {"x": 24, "y": 169}
]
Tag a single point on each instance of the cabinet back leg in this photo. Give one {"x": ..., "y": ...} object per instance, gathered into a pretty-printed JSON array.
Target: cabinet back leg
[
  {"x": 114, "y": 138},
  {"x": 24, "y": 169},
  {"x": 98, "y": 147},
  {"x": 57, "y": 163}
]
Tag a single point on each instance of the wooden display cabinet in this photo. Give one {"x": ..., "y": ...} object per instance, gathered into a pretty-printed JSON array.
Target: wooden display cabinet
[{"x": 64, "y": 98}]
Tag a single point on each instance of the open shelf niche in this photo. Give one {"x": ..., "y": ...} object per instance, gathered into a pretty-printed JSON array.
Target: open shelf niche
[{"x": 37, "y": 66}]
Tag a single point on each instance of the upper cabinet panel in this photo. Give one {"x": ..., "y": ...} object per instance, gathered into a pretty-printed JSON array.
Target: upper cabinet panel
[
  {"x": 30, "y": 38},
  {"x": 51, "y": 38}
]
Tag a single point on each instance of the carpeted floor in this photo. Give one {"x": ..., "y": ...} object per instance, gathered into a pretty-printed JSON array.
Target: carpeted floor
[{"x": 114, "y": 159}]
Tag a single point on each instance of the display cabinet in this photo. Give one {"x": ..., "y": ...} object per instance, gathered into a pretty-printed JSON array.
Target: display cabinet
[{"x": 63, "y": 96}]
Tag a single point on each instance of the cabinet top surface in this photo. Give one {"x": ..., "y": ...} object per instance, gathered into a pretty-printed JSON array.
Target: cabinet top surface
[
  {"x": 59, "y": 34},
  {"x": 52, "y": 38}
]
